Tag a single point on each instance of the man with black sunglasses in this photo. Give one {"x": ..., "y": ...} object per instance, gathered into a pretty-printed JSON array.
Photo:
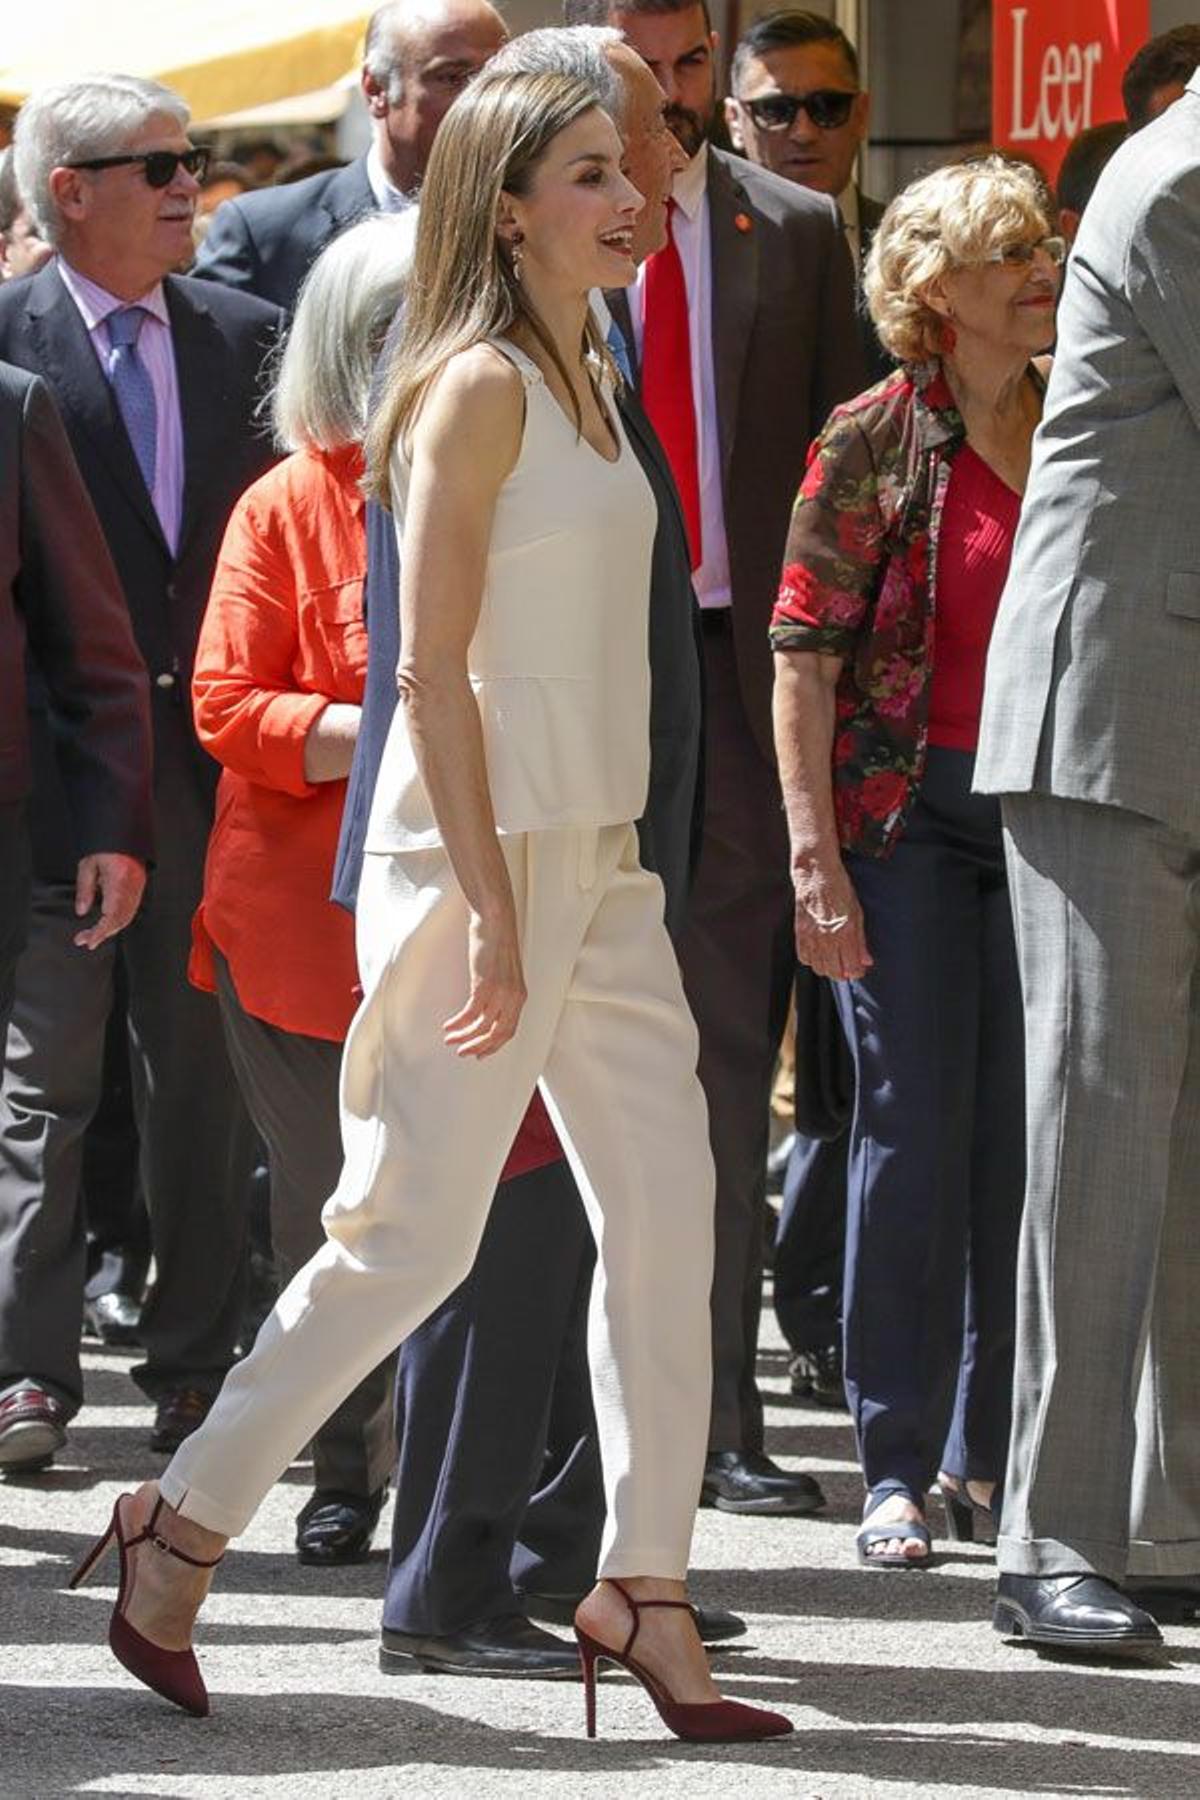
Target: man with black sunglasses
[
  {"x": 156, "y": 377},
  {"x": 797, "y": 106}
]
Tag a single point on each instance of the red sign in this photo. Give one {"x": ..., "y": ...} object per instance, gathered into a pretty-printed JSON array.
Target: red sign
[{"x": 1056, "y": 69}]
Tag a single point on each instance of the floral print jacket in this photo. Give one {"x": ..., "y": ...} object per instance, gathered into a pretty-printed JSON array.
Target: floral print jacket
[{"x": 859, "y": 576}]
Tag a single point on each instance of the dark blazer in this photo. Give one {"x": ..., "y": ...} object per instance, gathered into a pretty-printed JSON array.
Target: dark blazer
[
  {"x": 60, "y": 600},
  {"x": 786, "y": 349},
  {"x": 220, "y": 340},
  {"x": 266, "y": 242},
  {"x": 669, "y": 830},
  {"x": 878, "y": 361}
]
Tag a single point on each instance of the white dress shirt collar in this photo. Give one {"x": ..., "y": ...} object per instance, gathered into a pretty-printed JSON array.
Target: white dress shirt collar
[
  {"x": 388, "y": 197},
  {"x": 691, "y": 184}
]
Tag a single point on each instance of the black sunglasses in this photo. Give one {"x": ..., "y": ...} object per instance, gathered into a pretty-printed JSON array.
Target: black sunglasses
[
  {"x": 158, "y": 166},
  {"x": 826, "y": 107}
]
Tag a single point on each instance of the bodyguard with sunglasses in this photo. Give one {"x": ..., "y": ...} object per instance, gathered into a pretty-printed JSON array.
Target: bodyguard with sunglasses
[
  {"x": 156, "y": 377},
  {"x": 797, "y": 107}
]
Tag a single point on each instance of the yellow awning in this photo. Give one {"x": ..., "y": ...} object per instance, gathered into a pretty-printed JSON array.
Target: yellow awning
[{"x": 223, "y": 56}]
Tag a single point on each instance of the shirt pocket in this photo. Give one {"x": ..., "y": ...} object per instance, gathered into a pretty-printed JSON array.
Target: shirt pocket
[{"x": 334, "y": 648}]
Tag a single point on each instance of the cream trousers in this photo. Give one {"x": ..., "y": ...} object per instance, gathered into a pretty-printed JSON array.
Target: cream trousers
[{"x": 607, "y": 1031}]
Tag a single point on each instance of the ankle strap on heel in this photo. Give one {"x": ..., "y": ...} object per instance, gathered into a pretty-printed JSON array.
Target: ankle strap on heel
[
  {"x": 150, "y": 1536},
  {"x": 637, "y": 1607}
]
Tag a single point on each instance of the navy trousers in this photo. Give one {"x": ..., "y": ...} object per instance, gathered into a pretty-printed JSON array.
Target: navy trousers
[
  {"x": 493, "y": 1405},
  {"x": 937, "y": 1145}
]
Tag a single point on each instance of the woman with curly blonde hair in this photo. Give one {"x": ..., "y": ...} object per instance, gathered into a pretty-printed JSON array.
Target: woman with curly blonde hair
[{"x": 898, "y": 551}]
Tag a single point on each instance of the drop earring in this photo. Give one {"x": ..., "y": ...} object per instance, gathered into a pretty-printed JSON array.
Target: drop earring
[{"x": 518, "y": 238}]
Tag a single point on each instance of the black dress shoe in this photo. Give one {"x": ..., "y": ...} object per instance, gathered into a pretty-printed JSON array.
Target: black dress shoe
[
  {"x": 337, "y": 1528},
  {"x": 1171, "y": 1599},
  {"x": 739, "y": 1481},
  {"x": 113, "y": 1319},
  {"x": 817, "y": 1375},
  {"x": 33, "y": 1425},
  {"x": 510, "y": 1646},
  {"x": 712, "y": 1622},
  {"x": 1081, "y": 1613},
  {"x": 177, "y": 1415}
]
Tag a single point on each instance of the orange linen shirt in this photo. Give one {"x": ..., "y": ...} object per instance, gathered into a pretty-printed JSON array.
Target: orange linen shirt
[{"x": 283, "y": 636}]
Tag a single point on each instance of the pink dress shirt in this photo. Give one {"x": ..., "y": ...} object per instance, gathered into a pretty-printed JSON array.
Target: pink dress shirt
[{"x": 158, "y": 358}]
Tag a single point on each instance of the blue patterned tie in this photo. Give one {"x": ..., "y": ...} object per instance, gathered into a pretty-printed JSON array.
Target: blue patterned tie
[
  {"x": 620, "y": 352},
  {"x": 133, "y": 387}
]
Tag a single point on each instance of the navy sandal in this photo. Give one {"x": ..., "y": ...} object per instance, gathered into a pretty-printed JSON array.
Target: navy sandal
[{"x": 908, "y": 1530}]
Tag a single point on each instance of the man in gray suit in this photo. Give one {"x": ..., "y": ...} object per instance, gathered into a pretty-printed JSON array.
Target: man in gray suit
[
  {"x": 1090, "y": 733},
  {"x": 419, "y": 56},
  {"x": 768, "y": 317}
]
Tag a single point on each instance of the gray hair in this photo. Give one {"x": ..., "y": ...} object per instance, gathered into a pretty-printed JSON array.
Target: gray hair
[
  {"x": 69, "y": 121},
  {"x": 384, "y": 51},
  {"x": 10, "y": 194},
  {"x": 577, "y": 51},
  {"x": 319, "y": 396}
]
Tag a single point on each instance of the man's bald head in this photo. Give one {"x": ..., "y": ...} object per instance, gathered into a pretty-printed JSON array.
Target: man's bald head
[{"x": 420, "y": 54}]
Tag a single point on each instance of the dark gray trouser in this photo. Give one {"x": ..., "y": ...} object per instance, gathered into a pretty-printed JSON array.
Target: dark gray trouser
[
  {"x": 14, "y": 899},
  {"x": 1102, "y": 1476},
  {"x": 738, "y": 962},
  {"x": 196, "y": 1141},
  {"x": 290, "y": 1084}
]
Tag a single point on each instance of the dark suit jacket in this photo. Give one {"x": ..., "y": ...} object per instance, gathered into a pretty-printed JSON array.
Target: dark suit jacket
[
  {"x": 878, "y": 362},
  {"x": 265, "y": 243},
  {"x": 786, "y": 349},
  {"x": 60, "y": 600},
  {"x": 669, "y": 830},
  {"x": 219, "y": 340}
]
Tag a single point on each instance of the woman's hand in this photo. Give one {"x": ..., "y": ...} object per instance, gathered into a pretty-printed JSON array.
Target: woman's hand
[
  {"x": 830, "y": 935},
  {"x": 493, "y": 1009}
]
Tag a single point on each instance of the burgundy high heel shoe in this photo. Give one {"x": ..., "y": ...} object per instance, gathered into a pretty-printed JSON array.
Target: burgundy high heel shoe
[
  {"x": 705, "y": 1721},
  {"x": 174, "y": 1674}
]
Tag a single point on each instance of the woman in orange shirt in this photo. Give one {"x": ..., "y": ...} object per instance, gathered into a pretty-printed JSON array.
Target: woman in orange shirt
[{"x": 277, "y": 693}]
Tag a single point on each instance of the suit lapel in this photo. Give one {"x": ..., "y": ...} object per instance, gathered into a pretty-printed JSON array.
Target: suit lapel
[
  {"x": 734, "y": 254},
  {"x": 650, "y": 451},
  {"x": 349, "y": 195},
  {"x": 199, "y": 351},
  {"x": 65, "y": 352}
]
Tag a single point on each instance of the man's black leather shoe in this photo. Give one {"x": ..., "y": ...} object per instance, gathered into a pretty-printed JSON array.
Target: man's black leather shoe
[
  {"x": 1171, "y": 1599},
  {"x": 112, "y": 1318},
  {"x": 1081, "y": 1613},
  {"x": 337, "y": 1528},
  {"x": 748, "y": 1482},
  {"x": 713, "y": 1623},
  {"x": 511, "y": 1646},
  {"x": 817, "y": 1375}
]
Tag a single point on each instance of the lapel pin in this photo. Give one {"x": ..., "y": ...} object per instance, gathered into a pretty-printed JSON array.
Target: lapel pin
[{"x": 743, "y": 221}]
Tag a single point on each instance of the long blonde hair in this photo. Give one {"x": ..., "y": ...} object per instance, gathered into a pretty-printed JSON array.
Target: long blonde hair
[{"x": 463, "y": 287}]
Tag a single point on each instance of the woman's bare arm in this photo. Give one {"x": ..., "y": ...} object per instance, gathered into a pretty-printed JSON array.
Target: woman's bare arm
[{"x": 830, "y": 936}]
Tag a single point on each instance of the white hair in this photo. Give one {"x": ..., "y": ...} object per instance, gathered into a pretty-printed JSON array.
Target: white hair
[
  {"x": 71, "y": 121},
  {"x": 577, "y": 51},
  {"x": 319, "y": 396}
]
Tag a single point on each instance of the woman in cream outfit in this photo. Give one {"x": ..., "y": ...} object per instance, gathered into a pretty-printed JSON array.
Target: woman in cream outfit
[{"x": 501, "y": 865}]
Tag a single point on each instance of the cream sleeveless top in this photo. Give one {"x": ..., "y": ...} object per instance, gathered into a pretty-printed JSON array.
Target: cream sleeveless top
[{"x": 559, "y": 660}]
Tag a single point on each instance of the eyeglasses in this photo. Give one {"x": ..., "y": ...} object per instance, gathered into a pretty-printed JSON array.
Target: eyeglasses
[
  {"x": 158, "y": 166},
  {"x": 1020, "y": 256},
  {"x": 826, "y": 107}
]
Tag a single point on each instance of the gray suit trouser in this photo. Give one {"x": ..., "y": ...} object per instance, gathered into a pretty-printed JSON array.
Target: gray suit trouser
[
  {"x": 196, "y": 1139},
  {"x": 1104, "y": 1464},
  {"x": 291, "y": 1087}
]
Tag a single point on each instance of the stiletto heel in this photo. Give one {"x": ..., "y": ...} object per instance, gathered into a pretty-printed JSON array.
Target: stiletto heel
[
  {"x": 175, "y": 1674},
  {"x": 960, "y": 1518},
  {"x": 707, "y": 1721}
]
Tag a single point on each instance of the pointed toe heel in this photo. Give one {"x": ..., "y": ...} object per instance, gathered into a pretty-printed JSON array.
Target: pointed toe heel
[
  {"x": 175, "y": 1674},
  {"x": 704, "y": 1722}
]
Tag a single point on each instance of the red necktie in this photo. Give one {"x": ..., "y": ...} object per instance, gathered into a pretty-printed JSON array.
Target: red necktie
[{"x": 667, "y": 376}]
